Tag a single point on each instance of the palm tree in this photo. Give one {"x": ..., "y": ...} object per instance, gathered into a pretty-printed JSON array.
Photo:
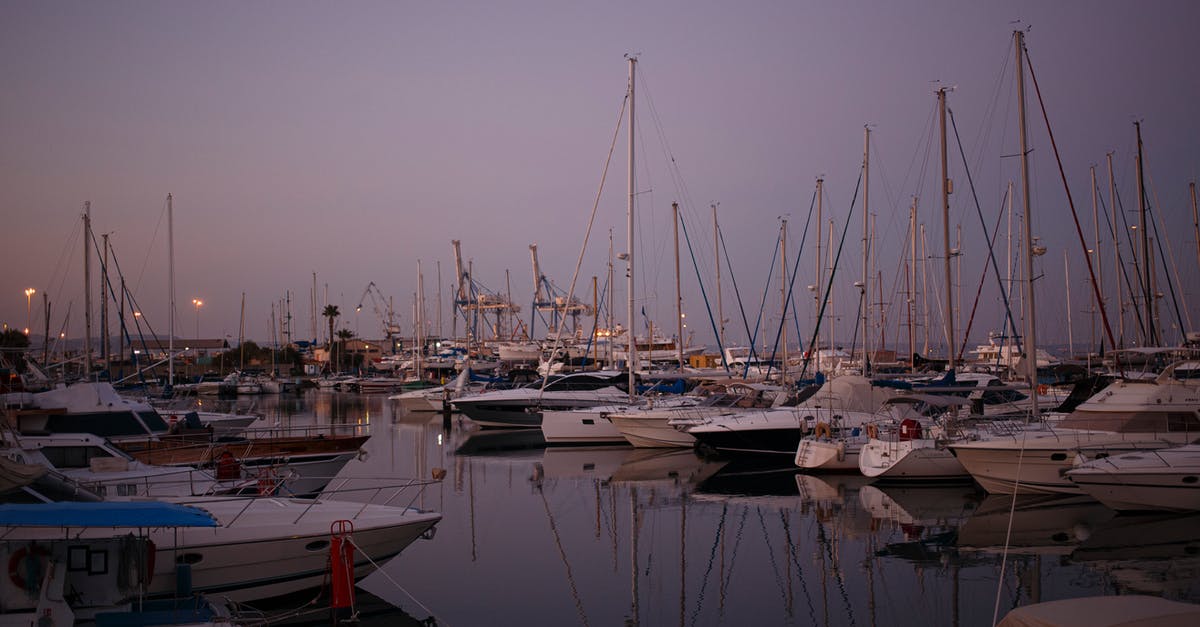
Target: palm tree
[
  {"x": 331, "y": 313},
  {"x": 343, "y": 335}
]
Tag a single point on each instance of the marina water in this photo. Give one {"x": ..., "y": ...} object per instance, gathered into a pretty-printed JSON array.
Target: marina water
[{"x": 536, "y": 535}]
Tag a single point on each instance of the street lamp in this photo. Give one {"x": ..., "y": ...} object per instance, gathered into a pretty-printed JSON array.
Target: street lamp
[
  {"x": 197, "y": 303},
  {"x": 29, "y": 292}
]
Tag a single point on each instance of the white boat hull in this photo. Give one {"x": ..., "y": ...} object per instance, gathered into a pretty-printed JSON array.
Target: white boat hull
[
  {"x": 919, "y": 460},
  {"x": 830, "y": 455},
  {"x": 1037, "y": 464},
  {"x": 1167, "y": 480},
  {"x": 652, "y": 432},
  {"x": 581, "y": 426}
]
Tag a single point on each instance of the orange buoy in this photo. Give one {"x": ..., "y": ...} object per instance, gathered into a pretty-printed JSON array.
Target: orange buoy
[{"x": 341, "y": 565}]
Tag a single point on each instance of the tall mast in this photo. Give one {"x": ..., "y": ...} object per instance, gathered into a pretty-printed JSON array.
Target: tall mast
[
  {"x": 87, "y": 289},
  {"x": 717, "y": 256},
  {"x": 912, "y": 285},
  {"x": 1067, "y": 285},
  {"x": 866, "y": 269},
  {"x": 783, "y": 300},
  {"x": 1147, "y": 287},
  {"x": 420, "y": 321},
  {"x": 1117, "y": 271},
  {"x": 1030, "y": 342},
  {"x": 629, "y": 267},
  {"x": 1099, "y": 303},
  {"x": 171, "y": 291},
  {"x": 1195, "y": 220},
  {"x": 816, "y": 347},
  {"x": 941, "y": 97},
  {"x": 678, "y": 296},
  {"x": 104, "y": 302},
  {"x": 925, "y": 289},
  {"x": 832, "y": 312}
]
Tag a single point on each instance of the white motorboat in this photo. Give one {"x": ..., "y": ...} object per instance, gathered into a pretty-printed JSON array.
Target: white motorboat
[
  {"x": 264, "y": 546},
  {"x": 910, "y": 450},
  {"x": 1126, "y": 416},
  {"x": 72, "y": 562},
  {"x": 101, "y": 468},
  {"x": 597, "y": 425},
  {"x": 1160, "y": 480},
  {"x": 522, "y": 407},
  {"x": 777, "y": 431}
]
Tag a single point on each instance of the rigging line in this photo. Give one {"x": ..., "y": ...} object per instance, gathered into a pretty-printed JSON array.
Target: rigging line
[
  {"x": 771, "y": 555},
  {"x": 137, "y": 285},
  {"x": 588, "y": 233},
  {"x": 1008, "y": 317},
  {"x": 791, "y": 284},
  {"x": 832, "y": 273},
  {"x": 991, "y": 242},
  {"x": 762, "y": 306},
  {"x": 736, "y": 291},
  {"x": 1070, "y": 200},
  {"x": 440, "y": 621},
  {"x": 1137, "y": 311},
  {"x": 793, "y": 557},
  {"x": 827, "y": 549},
  {"x": 562, "y": 554},
  {"x": 64, "y": 257},
  {"x": 703, "y": 293},
  {"x": 1165, "y": 234},
  {"x": 712, "y": 557}
]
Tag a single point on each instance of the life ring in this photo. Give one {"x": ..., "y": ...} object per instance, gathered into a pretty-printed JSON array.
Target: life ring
[
  {"x": 228, "y": 468},
  {"x": 822, "y": 429},
  {"x": 16, "y": 560},
  {"x": 1043, "y": 388},
  {"x": 873, "y": 431}
]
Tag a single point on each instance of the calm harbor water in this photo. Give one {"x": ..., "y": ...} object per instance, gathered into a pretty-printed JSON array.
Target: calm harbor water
[{"x": 617, "y": 535}]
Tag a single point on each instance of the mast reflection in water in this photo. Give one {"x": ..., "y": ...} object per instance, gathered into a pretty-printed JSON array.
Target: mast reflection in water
[{"x": 617, "y": 535}]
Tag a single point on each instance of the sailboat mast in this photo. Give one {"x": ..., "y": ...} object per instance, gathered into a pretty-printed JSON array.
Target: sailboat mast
[
  {"x": 87, "y": 289},
  {"x": 1117, "y": 271},
  {"x": 941, "y": 97},
  {"x": 171, "y": 291},
  {"x": 678, "y": 296},
  {"x": 717, "y": 257},
  {"x": 816, "y": 347},
  {"x": 1067, "y": 285},
  {"x": 912, "y": 285},
  {"x": 783, "y": 300},
  {"x": 1099, "y": 303},
  {"x": 866, "y": 269},
  {"x": 1030, "y": 343},
  {"x": 1147, "y": 287},
  {"x": 1195, "y": 220},
  {"x": 629, "y": 267}
]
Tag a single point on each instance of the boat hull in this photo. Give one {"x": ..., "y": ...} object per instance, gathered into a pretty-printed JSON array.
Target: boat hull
[
  {"x": 580, "y": 426},
  {"x": 652, "y": 432},
  {"x": 911, "y": 460}
]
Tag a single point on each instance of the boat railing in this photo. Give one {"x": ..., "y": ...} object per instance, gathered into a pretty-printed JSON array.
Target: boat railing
[{"x": 372, "y": 495}]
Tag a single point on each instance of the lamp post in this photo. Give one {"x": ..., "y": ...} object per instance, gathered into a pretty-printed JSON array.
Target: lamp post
[
  {"x": 29, "y": 292},
  {"x": 197, "y": 304}
]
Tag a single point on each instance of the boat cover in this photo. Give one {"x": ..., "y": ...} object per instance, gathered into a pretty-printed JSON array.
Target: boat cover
[
  {"x": 104, "y": 514},
  {"x": 1107, "y": 611}
]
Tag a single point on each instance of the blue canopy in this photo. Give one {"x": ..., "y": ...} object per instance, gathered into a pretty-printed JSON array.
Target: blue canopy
[{"x": 104, "y": 514}]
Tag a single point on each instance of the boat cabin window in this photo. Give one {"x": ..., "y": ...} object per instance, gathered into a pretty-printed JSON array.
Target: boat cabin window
[
  {"x": 105, "y": 424},
  {"x": 64, "y": 457},
  {"x": 1133, "y": 422}
]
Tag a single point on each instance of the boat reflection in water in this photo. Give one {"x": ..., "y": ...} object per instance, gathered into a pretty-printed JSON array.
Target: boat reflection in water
[{"x": 617, "y": 535}]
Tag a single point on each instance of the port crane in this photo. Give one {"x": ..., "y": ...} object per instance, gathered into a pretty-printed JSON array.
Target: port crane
[
  {"x": 474, "y": 301},
  {"x": 547, "y": 297},
  {"x": 387, "y": 318}
]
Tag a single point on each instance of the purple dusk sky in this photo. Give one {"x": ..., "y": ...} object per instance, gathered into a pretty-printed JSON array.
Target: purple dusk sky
[{"x": 354, "y": 139}]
